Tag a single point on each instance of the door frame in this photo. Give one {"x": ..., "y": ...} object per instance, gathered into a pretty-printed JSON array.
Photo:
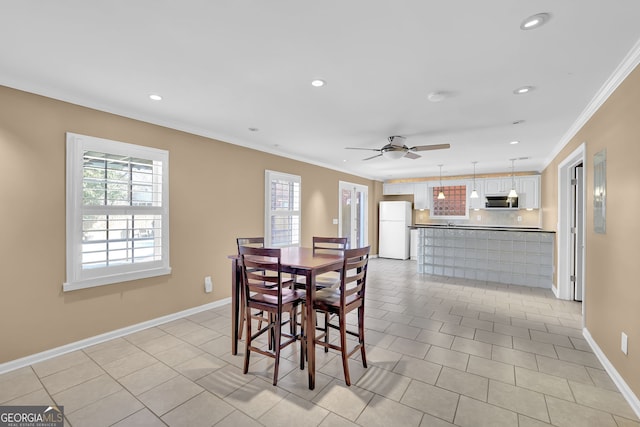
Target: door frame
[
  {"x": 365, "y": 205},
  {"x": 565, "y": 212}
]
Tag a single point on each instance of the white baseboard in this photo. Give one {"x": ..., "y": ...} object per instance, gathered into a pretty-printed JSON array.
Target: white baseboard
[
  {"x": 613, "y": 373},
  {"x": 78, "y": 345}
]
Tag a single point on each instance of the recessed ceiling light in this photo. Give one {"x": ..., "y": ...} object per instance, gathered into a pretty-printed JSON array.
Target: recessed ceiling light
[
  {"x": 318, "y": 83},
  {"x": 253, "y": 129},
  {"x": 436, "y": 96},
  {"x": 535, "y": 21},
  {"x": 522, "y": 90},
  {"x": 155, "y": 97},
  {"x": 517, "y": 122},
  {"x": 514, "y": 142}
]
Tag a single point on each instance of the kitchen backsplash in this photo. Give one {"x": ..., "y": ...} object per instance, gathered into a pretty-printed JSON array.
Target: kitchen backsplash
[{"x": 507, "y": 218}]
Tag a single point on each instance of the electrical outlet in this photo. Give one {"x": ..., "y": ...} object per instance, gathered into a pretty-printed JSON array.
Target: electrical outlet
[
  {"x": 335, "y": 221},
  {"x": 624, "y": 343},
  {"x": 208, "y": 284},
  {"x": 519, "y": 218},
  {"x": 479, "y": 218}
]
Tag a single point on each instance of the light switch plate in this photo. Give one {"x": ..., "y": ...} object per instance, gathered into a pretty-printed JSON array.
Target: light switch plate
[
  {"x": 624, "y": 343},
  {"x": 208, "y": 284},
  {"x": 335, "y": 221}
]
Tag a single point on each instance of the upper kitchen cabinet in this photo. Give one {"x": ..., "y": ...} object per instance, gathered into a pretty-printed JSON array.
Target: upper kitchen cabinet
[
  {"x": 397, "y": 188},
  {"x": 493, "y": 186},
  {"x": 529, "y": 191},
  {"x": 421, "y": 196}
]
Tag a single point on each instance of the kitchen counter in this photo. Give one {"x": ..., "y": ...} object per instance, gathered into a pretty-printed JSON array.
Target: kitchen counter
[
  {"x": 480, "y": 227},
  {"x": 517, "y": 256}
]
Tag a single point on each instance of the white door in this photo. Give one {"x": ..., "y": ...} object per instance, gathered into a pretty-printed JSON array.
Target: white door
[
  {"x": 577, "y": 227},
  {"x": 354, "y": 214}
]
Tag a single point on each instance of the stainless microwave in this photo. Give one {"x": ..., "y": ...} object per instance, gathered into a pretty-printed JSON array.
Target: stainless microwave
[{"x": 501, "y": 202}]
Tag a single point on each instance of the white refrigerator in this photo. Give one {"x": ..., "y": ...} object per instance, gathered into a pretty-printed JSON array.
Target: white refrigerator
[{"x": 393, "y": 233}]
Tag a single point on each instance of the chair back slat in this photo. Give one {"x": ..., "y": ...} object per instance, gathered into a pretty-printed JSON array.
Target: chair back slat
[
  {"x": 256, "y": 242},
  {"x": 354, "y": 274},
  {"x": 329, "y": 245},
  {"x": 261, "y": 269}
]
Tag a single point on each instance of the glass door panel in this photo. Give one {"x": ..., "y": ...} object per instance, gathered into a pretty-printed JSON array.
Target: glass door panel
[{"x": 353, "y": 214}]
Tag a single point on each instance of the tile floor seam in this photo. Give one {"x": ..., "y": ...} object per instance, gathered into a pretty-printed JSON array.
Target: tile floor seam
[
  {"x": 124, "y": 388},
  {"x": 46, "y": 391}
]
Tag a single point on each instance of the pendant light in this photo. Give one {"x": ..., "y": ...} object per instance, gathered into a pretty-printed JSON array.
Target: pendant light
[
  {"x": 441, "y": 194},
  {"x": 474, "y": 193},
  {"x": 512, "y": 193}
]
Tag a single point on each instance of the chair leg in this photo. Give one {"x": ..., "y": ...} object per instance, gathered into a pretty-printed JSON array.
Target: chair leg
[
  {"x": 326, "y": 331},
  {"x": 361, "y": 335},
  {"x": 277, "y": 331},
  {"x": 242, "y": 316},
  {"x": 270, "y": 333},
  {"x": 247, "y": 342},
  {"x": 303, "y": 336},
  {"x": 343, "y": 350}
]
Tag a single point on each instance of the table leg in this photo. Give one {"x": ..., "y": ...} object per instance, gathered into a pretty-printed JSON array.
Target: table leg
[
  {"x": 311, "y": 330},
  {"x": 235, "y": 305}
]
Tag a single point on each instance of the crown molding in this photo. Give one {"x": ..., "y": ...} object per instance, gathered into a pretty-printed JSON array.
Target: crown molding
[{"x": 628, "y": 64}]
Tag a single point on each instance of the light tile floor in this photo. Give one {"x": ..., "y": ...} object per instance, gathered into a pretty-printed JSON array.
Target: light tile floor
[{"x": 441, "y": 352}]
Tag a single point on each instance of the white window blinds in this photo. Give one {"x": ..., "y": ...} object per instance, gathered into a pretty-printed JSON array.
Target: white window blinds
[
  {"x": 282, "y": 213},
  {"x": 117, "y": 212}
]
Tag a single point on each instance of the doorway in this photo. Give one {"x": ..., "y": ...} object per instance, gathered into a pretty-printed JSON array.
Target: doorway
[
  {"x": 353, "y": 213},
  {"x": 577, "y": 234},
  {"x": 571, "y": 227}
]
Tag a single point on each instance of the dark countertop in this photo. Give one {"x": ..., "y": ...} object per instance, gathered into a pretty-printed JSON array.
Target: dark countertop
[{"x": 482, "y": 227}]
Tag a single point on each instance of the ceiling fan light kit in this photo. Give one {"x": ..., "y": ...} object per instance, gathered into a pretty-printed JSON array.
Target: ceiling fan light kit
[
  {"x": 397, "y": 149},
  {"x": 393, "y": 154}
]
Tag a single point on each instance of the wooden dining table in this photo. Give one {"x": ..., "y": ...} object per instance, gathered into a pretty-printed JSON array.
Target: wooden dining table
[{"x": 297, "y": 261}]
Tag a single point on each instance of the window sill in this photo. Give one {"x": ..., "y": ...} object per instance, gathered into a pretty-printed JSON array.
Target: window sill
[{"x": 115, "y": 278}]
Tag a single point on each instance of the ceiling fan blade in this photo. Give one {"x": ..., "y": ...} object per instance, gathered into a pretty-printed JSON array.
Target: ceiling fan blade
[
  {"x": 430, "y": 147},
  {"x": 358, "y": 148},
  {"x": 372, "y": 157},
  {"x": 411, "y": 155}
]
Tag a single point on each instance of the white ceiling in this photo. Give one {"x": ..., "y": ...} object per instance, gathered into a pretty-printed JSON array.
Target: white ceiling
[{"x": 225, "y": 66}]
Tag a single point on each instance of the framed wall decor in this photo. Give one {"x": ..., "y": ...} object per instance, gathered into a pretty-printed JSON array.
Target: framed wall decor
[{"x": 600, "y": 192}]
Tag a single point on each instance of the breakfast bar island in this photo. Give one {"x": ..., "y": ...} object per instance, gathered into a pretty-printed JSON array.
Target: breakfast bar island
[{"x": 518, "y": 256}]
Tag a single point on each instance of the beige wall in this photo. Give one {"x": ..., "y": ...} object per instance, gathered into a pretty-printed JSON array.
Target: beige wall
[
  {"x": 216, "y": 195},
  {"x": 612, "y": 282}
]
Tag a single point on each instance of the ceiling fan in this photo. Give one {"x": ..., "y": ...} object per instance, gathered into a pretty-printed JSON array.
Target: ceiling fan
[{"x": 396, "y": 149}]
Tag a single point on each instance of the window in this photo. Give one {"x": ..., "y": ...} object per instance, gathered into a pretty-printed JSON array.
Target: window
[
  {"x": 282, "y": 209},
  {"x": 117, "y": 212},
  {"x": 453, "y": 206}
]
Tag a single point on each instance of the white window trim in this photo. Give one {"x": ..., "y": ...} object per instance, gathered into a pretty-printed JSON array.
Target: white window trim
[
  {"x": 77, "y": 278},
  {"x": 270, "y": 175}
]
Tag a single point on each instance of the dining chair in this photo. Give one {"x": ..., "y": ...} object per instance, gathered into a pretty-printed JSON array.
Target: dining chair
[
  {"x": 338, "y": 302},
  {"x": 266, "y": 291},
  {"x": 255, "y": 242},
  {"x": 328, "y": 245}
]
